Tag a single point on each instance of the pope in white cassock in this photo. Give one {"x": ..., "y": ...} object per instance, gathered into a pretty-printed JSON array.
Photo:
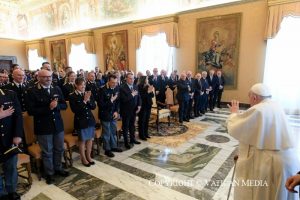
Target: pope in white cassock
[{"x": 266, "y": 148}]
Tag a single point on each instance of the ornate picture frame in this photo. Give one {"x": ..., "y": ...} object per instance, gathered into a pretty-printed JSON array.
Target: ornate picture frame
[
  {"x": 58, "y": 51},
  {"x": 115, "y": 50},
  {"x": 217, "y": 46}
]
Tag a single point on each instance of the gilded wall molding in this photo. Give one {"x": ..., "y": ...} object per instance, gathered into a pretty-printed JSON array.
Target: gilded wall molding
[{"x": 279, "y": 2}]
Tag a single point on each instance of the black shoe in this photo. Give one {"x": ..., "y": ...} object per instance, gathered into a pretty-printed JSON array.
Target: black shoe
[
  {"x": 86, "y": 165},
  {"x": 13, "y": 196},
  {"x": 62, "y": 173},
  {"x": 127, "y": 146},
  {"x": 143, "y": 138},
  {"x": 50, "y": 179},
  {"x": 109, "y": 154},
  {"x": 135, "y": 142},
  {"x": 91, "y": 163},
  {"x": 180, "y": 121},
  {"x": 186, "y": 120},
  {"x": 116, "y": 150},
  {"x": 191, "y": 117},
  {"x": 148, "y": 136}
]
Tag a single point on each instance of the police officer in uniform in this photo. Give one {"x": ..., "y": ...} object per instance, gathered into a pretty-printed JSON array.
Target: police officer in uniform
[
  {"x": 18, "y": 86},
  {"x": 108, "y": 104},
  {"x": 91, "y": 84},
  {"x": 11, "y": 132},
  {"x": 44, "y": 103}
]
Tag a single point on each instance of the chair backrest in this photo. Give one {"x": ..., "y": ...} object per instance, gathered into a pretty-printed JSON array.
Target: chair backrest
[
  {"x": 28, "y": 129},
  {"x": 175, "y": 99},
  {"x": 154, "y": 104},
  {"x": 169, "y": 97},
  {"x": 95, "y": 113},
  {"x": 68, "y": 119}
]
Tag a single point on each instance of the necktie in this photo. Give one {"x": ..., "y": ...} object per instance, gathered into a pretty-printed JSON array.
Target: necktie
[{"x": 20, "y": 87}]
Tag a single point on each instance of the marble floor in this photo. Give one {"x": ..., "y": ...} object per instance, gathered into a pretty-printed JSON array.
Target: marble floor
[{"x": 199, "y": 167}]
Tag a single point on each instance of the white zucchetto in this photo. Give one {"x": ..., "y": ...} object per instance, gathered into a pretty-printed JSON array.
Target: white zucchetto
[{"x": 261, "y": 89}]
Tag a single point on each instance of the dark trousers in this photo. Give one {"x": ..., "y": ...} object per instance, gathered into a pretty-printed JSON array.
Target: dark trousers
[
  {"x": 211, "y": 100},
  {"x": 219, "y": 97},
  {"x": 144, "y": 116},
  {"x": 190, "y": 108},
  {"x": 10, "y": 173},
  {"x": 196, "y": 105},
  {"x": 183, "y": 109},
  {"x": 128, "y": 121},
  {"x": 203, "y": 103}
]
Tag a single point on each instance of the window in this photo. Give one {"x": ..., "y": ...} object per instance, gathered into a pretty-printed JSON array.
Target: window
[
  {"x": 35, "y": 62},
  {"x": 80, "y": 59},
  {"x": 155, "y": 52},
  {"x": 282, "y": 68}
]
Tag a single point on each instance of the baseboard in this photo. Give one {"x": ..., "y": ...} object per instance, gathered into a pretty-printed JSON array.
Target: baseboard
[{"x": 242, "y": 105}]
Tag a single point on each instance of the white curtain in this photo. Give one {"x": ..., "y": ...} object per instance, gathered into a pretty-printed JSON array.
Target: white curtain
[
  {"x": 155, "y": 52},
  {"x": 80, "y": 59},
  {"x": 34, "y": 61},
  {"x": 282, "y": 67}
]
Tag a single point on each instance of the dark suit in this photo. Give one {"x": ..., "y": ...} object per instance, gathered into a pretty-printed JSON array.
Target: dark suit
[
  {"x": 46, "y": 121},
  {"x": 183, "y": 98},
  {"x": 10, "y": 127},
  {"x": 48, "y": 125},
  {"x": 155, "y": 82},
  {"x": 162, "y": 84},
  {"x": 83, "y": 117},
  {"x": 190, "y": 107},
  {"x": 128, "y": 108},
  {"x": 55, "y": 80},
  {"x": 106, "y": 107},
  {"x": 21, "y": 92},
  {"x": 198, "y": 92},
  {"x": 92, "y": 86},
  {"x": 106, "y": 115},
  {"x": 144, "y": 114},
  {"x": 67, "y": 89},
  {"x": 172, "y": 83},
  {"x": 212, "y": 82},
  {"x": 219, "y": 91},
  {"x": 204, "y": 97}
]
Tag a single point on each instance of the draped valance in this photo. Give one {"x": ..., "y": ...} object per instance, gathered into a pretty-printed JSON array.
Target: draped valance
[
  {"x": 39, "y": 45},
  {"x": 168, "y": 25},
  {"x": 87, "y": 38},
  {"x": 278, "y": 9}
]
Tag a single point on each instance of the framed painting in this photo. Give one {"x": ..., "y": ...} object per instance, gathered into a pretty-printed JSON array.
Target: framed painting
[
  {"x": 58, "y": 54},
  {"x": 115, "y": 50},
  {"x": 217, "y": 46}
]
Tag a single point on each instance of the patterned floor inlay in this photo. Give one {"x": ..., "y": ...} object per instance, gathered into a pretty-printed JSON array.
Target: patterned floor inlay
[
  {"x": 176, "y": 140},
  {"x": 166, "y": 129},
  {"x": 87, "y": 187},
  {"x": 217, "y": 138},
  {"x": 188, "y": 163},
  {"x": 41, "y": 196}
]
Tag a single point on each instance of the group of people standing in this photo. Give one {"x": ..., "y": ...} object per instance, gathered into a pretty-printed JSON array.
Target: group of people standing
[{"x": 261, "y": 130}]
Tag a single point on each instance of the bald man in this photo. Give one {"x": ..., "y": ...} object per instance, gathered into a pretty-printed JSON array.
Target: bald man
[
  {"x": 266, "y": 147},
  {"x": 18, "y": 86},
  {"x": 45, "y": 103}
]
